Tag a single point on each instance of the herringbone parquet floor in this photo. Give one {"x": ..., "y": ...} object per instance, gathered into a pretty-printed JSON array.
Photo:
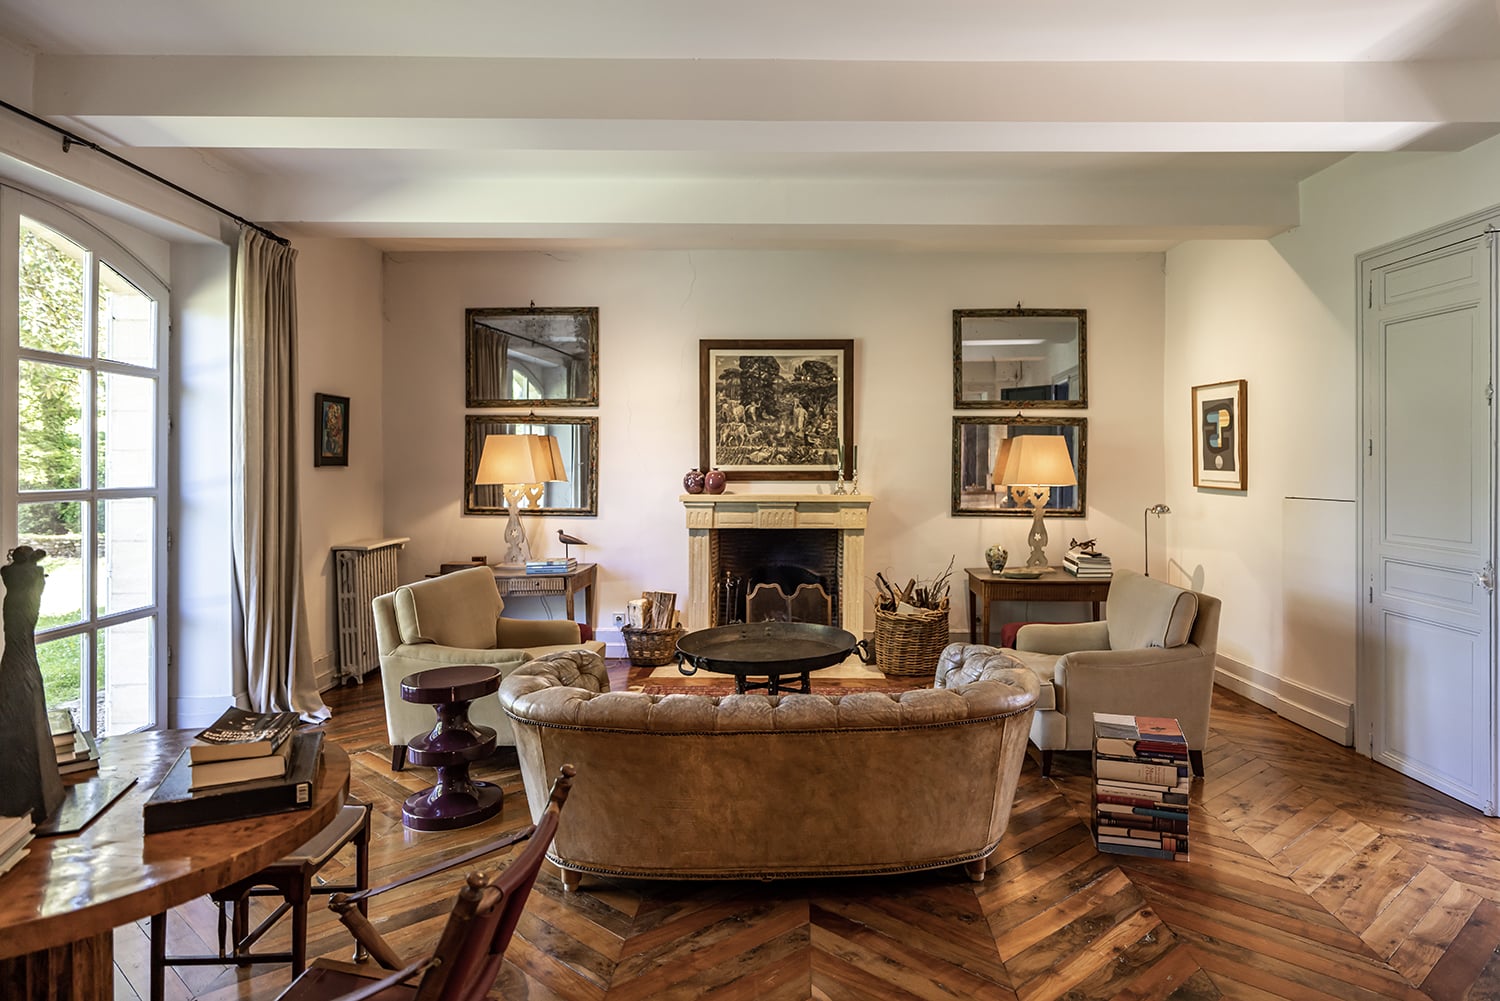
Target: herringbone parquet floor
[{"x": 1315, "y": 875}]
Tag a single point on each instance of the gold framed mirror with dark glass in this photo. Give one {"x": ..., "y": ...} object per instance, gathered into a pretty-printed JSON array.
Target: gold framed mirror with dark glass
[
  {"x": 575, "y": 444},
  {"x": 980, "y": 448},
  {"x": 536, "y": 356},
  {"x": 1005, "y": 358}
]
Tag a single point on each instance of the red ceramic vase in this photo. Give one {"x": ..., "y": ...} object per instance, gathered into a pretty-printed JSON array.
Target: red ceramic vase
[
  {"x": 693, "y": 481},
  {"x": 713, "y": 481}
]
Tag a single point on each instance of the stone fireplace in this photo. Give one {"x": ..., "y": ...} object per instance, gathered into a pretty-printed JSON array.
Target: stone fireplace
[{"x": 822, "y": 532}]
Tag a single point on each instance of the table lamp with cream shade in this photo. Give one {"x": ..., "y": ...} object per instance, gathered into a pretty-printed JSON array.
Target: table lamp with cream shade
[
  {"x": 520, "y": 463},
  {"x": 1034, "y": 464}
]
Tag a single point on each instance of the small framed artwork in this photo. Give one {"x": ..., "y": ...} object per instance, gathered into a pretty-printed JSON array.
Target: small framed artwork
[
  {"x": 330, "y": 430},
  {"x": 776, "y": 410},
  {"x": 1219, "y": 451}
]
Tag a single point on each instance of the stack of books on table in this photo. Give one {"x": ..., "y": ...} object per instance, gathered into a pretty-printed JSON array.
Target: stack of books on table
[
  {"x": 1141, "y": 782},
  {"x": 15, "y": 835},
  {"x": 245, "y": 765},
  {"x": 77, "y": 753},
  {"x": 551, "y": 566},
  {"x": 1086, "y": 563}
]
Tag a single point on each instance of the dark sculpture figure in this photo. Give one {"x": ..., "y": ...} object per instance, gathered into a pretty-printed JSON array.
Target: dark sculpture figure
[{"x": 29, "y": 781}]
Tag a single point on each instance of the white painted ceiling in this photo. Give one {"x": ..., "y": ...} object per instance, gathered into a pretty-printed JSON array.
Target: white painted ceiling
[{"x": 1037, "y": 124}]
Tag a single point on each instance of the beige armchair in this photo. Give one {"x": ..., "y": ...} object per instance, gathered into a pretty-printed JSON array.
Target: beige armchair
[
  {"x": 455, "y": 619},
  {"x": 1153, "y": 655}
]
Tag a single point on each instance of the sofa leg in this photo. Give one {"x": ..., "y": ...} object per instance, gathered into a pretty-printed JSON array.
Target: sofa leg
[
  {"x": 571, "y": 880},
  {"x": 1046, "y": 763},
  {"x": 977, "y": 868},
  {"x": 398, "y": 757},
  {"x": 1196, "y": 757}
]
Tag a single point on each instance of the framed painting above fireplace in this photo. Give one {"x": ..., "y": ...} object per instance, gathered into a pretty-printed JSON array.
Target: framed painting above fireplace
[{"x": 776, "y": 409}]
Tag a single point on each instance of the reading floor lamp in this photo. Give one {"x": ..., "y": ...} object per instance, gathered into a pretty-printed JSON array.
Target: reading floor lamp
[
  {"x": 520, "y": 464},
  {"x": 1037, "y": 463}
]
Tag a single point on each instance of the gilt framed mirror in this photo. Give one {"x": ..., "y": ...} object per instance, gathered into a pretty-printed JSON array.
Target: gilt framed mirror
[
  {"x": 979, "y": 442},
  {"x": 532, "y": 356},
  {"x": 577, "y": 444},
  {"x": 1020, "y": 358}
]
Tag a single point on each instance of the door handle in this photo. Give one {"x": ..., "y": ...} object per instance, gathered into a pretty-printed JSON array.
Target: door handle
[{"x": 1485, "y": 576}]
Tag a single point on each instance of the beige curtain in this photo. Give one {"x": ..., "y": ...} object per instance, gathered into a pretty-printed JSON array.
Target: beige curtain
[{"x": 266, "y": 527}]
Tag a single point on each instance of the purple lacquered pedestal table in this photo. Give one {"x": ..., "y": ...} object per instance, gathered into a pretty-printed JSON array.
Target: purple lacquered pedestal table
[{"x": 456, "y": 800}]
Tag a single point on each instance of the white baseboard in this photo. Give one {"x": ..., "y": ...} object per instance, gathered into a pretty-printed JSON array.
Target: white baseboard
[
  {"x": 324, "y": 673},
  {"x": 1307, "y": 707}
]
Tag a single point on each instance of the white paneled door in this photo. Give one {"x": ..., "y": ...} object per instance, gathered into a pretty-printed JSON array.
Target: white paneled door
[{"x": 1426, "y": 702}]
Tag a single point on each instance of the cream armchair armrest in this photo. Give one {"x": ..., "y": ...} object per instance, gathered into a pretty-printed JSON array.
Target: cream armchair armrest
[
  {"x": 520, "y": 633},
  {"x": 1150, "y": 681},
  {"x": 1062, "y": 637}
]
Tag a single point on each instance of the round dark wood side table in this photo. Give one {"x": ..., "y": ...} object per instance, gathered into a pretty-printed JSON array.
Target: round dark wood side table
[{"x": 456, "y": 800}]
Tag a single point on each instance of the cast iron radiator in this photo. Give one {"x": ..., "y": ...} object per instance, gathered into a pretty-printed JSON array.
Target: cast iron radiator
[{"x": 362, "y": 572}]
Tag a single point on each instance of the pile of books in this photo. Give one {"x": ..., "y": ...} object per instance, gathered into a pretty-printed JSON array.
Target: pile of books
[
  {"x": 246, "y": 764},
  {"x": 77, "y": 753},
  {"x": 551, "y": 566},
  {"x": 1140, "y": 786},
  {"x": 1082, "y": 562},
  {"x": 242, "y": 746},
  {"x": 15, "y": 834}
]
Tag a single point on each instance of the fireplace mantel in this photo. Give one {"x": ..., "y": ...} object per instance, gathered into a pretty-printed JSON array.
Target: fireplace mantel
[{"x": 707, "y": 513}]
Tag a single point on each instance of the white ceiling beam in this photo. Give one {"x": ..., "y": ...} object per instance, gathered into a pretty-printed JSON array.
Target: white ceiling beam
[{"x": 1363, "y": 104}]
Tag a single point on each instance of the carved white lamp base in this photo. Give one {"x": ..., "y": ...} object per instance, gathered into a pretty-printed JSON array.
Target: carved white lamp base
[{"x": 517, "y": 549}]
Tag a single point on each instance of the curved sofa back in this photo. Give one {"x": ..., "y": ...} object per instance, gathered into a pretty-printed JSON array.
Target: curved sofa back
[{"x": 683, "y": 786}]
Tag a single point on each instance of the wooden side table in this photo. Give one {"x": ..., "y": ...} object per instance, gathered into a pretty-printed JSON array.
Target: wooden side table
[
  {"x": 521, "y": 584},
  {"x": 1055, "y": 584},
  {"x": 456, "y": 800}
]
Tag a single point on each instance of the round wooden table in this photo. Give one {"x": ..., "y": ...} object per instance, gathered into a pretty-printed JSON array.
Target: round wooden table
[{"x": 60, "y": 905}]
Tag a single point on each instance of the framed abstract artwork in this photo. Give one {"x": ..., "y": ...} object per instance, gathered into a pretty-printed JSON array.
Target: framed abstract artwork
[
  {"x": 1219, "y": 451},
  {"x": 776, "y": 410},
  {"x": 330, "y": 430}
]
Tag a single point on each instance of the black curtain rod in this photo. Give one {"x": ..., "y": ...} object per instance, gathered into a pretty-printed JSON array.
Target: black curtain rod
[{"x": 69, "y": 140}]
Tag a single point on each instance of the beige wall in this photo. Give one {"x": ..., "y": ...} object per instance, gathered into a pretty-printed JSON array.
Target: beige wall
[
  {"x": 656, "y": 306},
  {"x": 1283, "y": 315},
  {"x": 339, "y": 352}
]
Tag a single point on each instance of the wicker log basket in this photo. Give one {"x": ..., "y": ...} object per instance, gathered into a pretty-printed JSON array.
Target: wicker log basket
[
  {"x": 653, "y": 647},
  {"x": 910, "y": 643},
  {"x": 911, "y": 624}
]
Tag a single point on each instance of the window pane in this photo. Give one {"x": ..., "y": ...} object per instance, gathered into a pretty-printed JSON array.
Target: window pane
[
  {"x": 50, "y": 426},
  {"x": 62, "y": 663},
  {"x": 51, "y": 293},
  {"x": 126, "y": 655},
  {"x": 57, "y": 528},
  {"x": 127, "y": 542},
  {"x": 127, "y": 320},
  {"x": 126, "y": 426}
]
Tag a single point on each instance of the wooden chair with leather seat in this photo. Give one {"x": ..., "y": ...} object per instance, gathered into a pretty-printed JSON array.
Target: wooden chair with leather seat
[
  {"x": 290, "y": 878},
  {"x": 466, "y": 961}
]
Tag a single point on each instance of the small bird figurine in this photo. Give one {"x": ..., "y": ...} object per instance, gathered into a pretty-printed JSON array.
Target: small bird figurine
[{"x": 568, "y": 540}]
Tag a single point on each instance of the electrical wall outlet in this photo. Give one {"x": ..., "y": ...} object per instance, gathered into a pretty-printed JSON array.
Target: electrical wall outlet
[{"x": 619, "y": 618}]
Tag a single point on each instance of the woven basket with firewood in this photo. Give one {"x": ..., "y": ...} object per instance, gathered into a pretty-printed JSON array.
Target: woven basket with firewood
[
  {"x": 653, "y": 642},
  {"x": 911, "y": 624}
]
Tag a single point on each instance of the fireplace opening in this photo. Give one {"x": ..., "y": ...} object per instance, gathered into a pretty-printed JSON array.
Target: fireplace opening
[{"x": 788, "y": 575}]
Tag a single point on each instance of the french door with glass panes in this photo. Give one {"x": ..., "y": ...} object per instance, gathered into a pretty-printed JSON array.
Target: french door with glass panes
[{"x": 83, "y": 324}]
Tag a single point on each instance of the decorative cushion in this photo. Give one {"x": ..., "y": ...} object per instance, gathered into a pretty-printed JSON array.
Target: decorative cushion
[{"x": 1144, "y": 612}]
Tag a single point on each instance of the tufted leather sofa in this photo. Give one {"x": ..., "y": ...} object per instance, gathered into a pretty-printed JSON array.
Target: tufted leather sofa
[{"x": 757, "y": 786}]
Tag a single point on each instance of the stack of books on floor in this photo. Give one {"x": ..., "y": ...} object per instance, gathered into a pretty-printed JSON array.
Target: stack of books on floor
[
  {"x": 1141, "y": 782},
  {"x": 246, "y": 764},
  {"x": 1087, "y": 563},
  {"x": 77, "y": 753},
  {"x": 551, "y": 566},
  {"x": 15, "y": 835}
]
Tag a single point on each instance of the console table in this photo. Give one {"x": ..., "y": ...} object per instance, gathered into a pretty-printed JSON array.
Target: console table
[
  {"x": 520, "y": 584},
  {"x": 1055, "y": 584}
]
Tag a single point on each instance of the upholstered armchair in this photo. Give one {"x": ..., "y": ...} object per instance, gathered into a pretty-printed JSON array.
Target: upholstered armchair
[
  {"x": 1153, "y": 655},
  {"x": 455, "y": 619}
]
